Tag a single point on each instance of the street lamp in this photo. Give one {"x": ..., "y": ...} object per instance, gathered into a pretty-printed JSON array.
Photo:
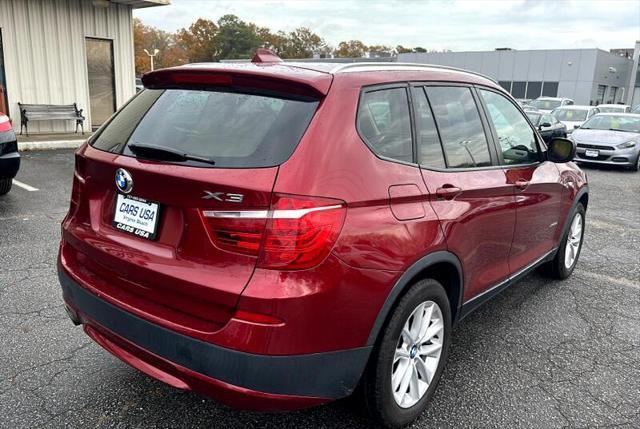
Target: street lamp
[{"x": 155, "y": 52}]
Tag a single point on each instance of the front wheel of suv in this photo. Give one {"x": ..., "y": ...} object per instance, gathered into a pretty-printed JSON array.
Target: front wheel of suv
[
  {"x": 5, "y": 186},
  {"x": 410, "y": 356},
  {"x": 567, "y": 255}
]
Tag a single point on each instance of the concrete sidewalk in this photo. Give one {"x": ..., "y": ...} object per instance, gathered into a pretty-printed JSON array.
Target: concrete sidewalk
[{"x": 51, "y": 141}]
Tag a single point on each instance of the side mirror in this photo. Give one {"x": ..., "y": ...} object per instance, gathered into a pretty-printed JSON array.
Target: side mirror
[
  {"x": 545, "y": 125},
  {"x": 560, "y": 150}
]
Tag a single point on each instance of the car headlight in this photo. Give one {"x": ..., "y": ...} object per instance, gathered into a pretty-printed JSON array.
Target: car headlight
[{"x": 627, "y": 145}]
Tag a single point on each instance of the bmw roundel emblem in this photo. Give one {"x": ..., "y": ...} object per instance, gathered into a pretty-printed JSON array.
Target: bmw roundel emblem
[{"x": 124, "y": 182}]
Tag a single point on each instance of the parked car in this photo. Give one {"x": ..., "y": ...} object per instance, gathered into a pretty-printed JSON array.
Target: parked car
[
  {"x": 274, "y": 235},
  {"x": 614, "y": 108},
  {"x": 609, "y": 138},
  {"x": 548, "y": 126},
  {"x": 139, "y": 86},
  {"x": 574, "y": 116},
  {"x": 529, "y": 108},
  {"x": 9, "y": 156},
  {"x": 547, "y": 104},
  {"x": 523, "y": 101}
]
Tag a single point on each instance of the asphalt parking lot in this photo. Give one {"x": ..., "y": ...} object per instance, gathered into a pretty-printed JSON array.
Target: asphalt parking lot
[{"x": 544, "y": 354}]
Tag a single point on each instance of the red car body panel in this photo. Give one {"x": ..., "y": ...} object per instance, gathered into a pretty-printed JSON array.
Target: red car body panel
[{"x": 191, "y": 295}]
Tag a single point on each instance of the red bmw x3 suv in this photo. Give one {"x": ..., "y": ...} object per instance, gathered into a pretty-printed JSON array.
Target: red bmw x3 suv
[{"x": 276, "y": 234}]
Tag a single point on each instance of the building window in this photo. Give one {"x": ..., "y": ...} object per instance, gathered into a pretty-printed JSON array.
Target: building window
[
  {"x": 506, "y": 84},
  {"x": 533, "y": 90},
  {"x": 519, "y": 89},
  {"x": 550, "y": 89},
  {"x": 100, "y": 71},
  {"x": 600, "y": 94},
  {"x": 612, "y": 94}
]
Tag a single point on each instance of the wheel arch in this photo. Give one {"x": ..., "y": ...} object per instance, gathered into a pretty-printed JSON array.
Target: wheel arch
[
  {"x": 443, "y": 266},
  {"x": 581, "y": 197}
]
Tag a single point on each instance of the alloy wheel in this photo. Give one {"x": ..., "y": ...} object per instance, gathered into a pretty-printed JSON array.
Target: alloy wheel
[
  {"x": 573, "y": 241},
  {"x": 417, "y": 354}
]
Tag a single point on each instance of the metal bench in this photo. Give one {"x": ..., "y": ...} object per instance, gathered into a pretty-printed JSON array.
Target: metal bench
[{"x": 49, "y": 112}]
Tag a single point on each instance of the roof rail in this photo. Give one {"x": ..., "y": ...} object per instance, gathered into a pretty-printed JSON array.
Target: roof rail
[{"x": 342, "y": 67}]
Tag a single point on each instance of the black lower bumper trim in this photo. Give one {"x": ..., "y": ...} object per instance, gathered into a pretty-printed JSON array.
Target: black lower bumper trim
[
  {"x": 326, "y": 375},
  {"x": 9, "y": 165}
]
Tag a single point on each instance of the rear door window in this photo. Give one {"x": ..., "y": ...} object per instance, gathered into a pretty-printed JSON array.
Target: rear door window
[
  {"x": 463, "y": 138},
  {"x": 383, "y": 122},
  {"x": 233, "y": 129},
  {"x": 429, "y": 148}
]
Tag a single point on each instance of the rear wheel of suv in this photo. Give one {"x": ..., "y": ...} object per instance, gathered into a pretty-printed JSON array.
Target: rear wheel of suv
[
  {"x": 5, "y": 186},
  {"x": 566, "y": 258},
  {"x": 409, "y": 359}
]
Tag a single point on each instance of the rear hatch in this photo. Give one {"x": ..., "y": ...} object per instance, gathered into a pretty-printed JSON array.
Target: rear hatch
[{"x": 143, "y": 228}]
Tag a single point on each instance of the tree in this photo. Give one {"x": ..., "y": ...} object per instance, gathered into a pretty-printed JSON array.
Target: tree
[
  {"x": 380, "y": 51},
  {"x": 402, "y": 50},
  {"x": 303, "y": 43},
  {"x": 199, "y": 41},
  {"x": 419, "y": 49},
  {"x": 150, "y": 38},
  {"x": 235, "y": 38},
  {"x": 351, "y": 49}
]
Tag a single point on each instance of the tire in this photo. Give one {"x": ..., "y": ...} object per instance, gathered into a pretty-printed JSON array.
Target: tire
[
  {"x": 5, "y": 186},
  {"x": 557, "y": 268},
  {"x": 637, "y": 166},
  {"x": 377, "y": 390}
]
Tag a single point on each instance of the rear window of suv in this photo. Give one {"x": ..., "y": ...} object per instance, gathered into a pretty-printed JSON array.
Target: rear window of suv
[{"x": 234, "y": 129}]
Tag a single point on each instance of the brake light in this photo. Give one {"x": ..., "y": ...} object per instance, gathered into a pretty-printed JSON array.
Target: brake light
[
  {"x": 236, "y": 231},
  {"x": 296, "y": 233}
]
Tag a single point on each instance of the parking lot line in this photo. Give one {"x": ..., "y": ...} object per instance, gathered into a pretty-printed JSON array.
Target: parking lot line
[{"x": 24, "y": 186}]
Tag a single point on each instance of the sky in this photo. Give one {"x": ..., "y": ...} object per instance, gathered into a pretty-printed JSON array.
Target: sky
[{"x": 431, "y": 24}]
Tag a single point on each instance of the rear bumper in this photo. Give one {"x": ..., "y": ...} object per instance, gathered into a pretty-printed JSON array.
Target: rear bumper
[
  {"x": 239, "y": 379},
  {"x": 9, "y": 165}
]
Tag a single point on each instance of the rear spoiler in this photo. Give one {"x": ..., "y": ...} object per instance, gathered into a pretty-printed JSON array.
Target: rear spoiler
[{"x": 269, "y": 78}]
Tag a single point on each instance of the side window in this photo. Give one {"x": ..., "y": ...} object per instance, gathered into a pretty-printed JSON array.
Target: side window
[
  {"x": 461, "y": 131},
  {"x": 383, "y": 121},
  {"x": 548, "y": 119},
  {"x": 429, "y": 148},
  {"x": 517, "y": 139}
]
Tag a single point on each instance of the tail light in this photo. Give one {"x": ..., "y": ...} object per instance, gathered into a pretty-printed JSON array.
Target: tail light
[{"x": 295, "y": 233}]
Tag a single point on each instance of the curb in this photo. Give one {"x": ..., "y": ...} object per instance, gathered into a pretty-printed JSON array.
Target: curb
[{"x": 50, "y": 145}]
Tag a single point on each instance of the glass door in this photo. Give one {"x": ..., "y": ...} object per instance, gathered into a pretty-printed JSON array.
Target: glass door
[
  {"x": 100, "y": 71},
  {"x": 4, "y": 104}
]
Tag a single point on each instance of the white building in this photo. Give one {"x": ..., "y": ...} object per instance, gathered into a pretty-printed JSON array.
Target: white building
[
  {"x": 65, "y": 52},
  {"x": 588, "y": 76}
]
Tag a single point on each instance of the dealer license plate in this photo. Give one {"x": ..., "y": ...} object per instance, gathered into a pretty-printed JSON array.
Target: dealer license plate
[{"x": 136, "y": 216}]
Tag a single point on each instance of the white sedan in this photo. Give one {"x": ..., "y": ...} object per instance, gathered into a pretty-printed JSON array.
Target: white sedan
[{"x": 574, "y": 116}]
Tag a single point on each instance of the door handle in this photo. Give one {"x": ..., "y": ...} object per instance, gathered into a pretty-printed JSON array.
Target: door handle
[
  {"x": 447, "y": 192},
  {"x": 522, "y": 184}
]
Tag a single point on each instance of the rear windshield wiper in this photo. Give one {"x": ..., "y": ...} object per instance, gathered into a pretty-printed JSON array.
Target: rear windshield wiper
[{"x": 161, "y": 153}]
